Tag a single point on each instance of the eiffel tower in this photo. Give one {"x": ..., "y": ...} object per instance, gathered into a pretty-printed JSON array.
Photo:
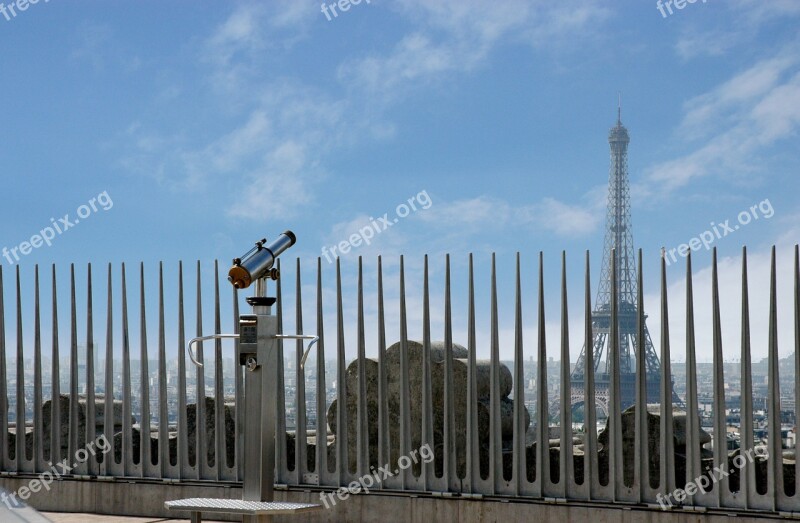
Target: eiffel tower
[{"x": 619, "y": 238}]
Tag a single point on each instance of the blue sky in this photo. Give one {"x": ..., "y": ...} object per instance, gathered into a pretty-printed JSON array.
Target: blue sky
[{"x": 212, "y": 124}]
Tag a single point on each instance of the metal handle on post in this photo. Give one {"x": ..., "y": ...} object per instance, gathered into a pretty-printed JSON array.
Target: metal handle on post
[
  {"x": 206, "y": 338},
  {"x": 314, "y": 339}
]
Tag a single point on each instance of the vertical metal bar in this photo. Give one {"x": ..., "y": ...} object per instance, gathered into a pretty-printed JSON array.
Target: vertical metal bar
[
  {"x": 641, "y": 475},
  {"x": 747, "y": 476},
  {"x": 475, "y": 480},
  {"x": 450, "y": 477},
  {"x": 91, "y": 422},
  {"x": 110, "y": 466},
  {"x": 129, "y": 466},
  {"x": 203, "y": 469},
  {"x": 796, "y": 277},
  {"x": 38, "y": 433},
  {"x": 321, "y": 458},
  {"x": 362, "y": 430},
  {"x": 591, "y": 479},
  {"x": 148, "y": 470},
  {"x": 384, "y": 444},
  {"x": 692, "y": 419},
  {"x": 5, "y": 463},
  {"x": 426, "y": 411},
  {"x": 220, "y": 434},
  {"x": 165, "y": 467},
  {"x": 73, "y": 369},
  {"x": 342, "y": 454},
  {"x": 720, "y": 439},
  {"x": 22, "y": 459},
  {"x": 405, "y": 408},
  {"x": 775, "y": 487},
  {"x": 495, "y": 434},
  {"x": 183, "y": 423},
  {"x": 565, "y": 477},
  {"x": 667, "y": 463},
  {"x": 520, "y": 466},
  {"x": 238, "y": 427},
  {"x": 615, "y": 479},
  {"x": 55, "y": 391},
  {"x": 301, "y": 433},
  {"x": 542, "y": 406},
  {"x": 280, "y": 425}
]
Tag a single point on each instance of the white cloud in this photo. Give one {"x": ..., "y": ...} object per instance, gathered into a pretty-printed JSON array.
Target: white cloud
[
  {"x": 459, "y": 36},
  {"x": 743, "y": 116}
]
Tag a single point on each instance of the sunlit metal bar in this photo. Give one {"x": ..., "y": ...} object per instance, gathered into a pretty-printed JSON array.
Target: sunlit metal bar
[
  {"x": 614, "y": 426},
  {"x": 692, "y": 419},
  {"x": 384, "y": 443},
  {"x": 591, "y": 479},
  {"x": 127, "y": 411},
  {"x": 720, "y": 439},
  {"x": 362, "y": 427},
  {"x": 775, "y": 486},
  {"x": 495, "y": 435},
  {"x": 405, "y": 408},
  {"x": 91, "y": 423},
  {"x": 73, "y": 370},
  {"x": 427, "y": 470},
  {"x": 110, "y": 465},
  {"x": 342, "y": 454},
  {"x": 326, "y": 477},
  {"x": 55, "y": 390},
  {"x": 542, "y": 406},
  {"x": 301, "y": 433},
  {"x": 641, "y": 469},
  {"x": 666, "y": 442},
  {"x": 186, "y": 470},
  {"x": 220, "y": 437},
  {"x": 450, "y": 476},
  {"x": 4, "y": 457},
  {"x": 147, "y": 468},
  {"x": 164, "y": 466},
  {"x": 38, "y": 439},
  {"x": 201, "y": 449},
  {"x": 565, "y": 465},
  {"x": 280, "y": 421},
  {"x": 23, "y": 464}
]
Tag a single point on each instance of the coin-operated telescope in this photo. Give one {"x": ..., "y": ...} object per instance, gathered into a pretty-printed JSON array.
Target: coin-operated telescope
[
  {"x": 257, "y": 351},
  {"x": 258, "y": 261}
]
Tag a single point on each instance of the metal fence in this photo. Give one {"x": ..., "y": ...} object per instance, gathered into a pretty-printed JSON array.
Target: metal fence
[{"x": 471, "y": 458}]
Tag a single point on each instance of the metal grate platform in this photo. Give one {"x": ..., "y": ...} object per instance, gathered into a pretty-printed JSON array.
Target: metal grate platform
[{"x": 238, "y": 506}]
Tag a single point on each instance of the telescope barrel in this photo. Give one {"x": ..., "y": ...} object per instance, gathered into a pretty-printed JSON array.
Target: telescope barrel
[{"x": 245, "y": 272}]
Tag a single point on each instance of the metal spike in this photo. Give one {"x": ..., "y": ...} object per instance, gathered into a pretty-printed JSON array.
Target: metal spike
[
  {"x": 667, "y": 463},
  {"x": 38, "y": 436},
  {"x": 362, "y": 427},
  {"x": 427, "y": 403},
  {"x": 543, "y": 477},
  {"x": 720, "y": 440},
  {"x": 144, "y": 383}
]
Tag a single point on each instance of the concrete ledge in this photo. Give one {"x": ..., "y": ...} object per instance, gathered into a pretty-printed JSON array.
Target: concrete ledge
[{"x": 146, "y": 499}]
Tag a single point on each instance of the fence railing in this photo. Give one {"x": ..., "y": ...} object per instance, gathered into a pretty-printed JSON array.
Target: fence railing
[{"x": 470, "y": 414}]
